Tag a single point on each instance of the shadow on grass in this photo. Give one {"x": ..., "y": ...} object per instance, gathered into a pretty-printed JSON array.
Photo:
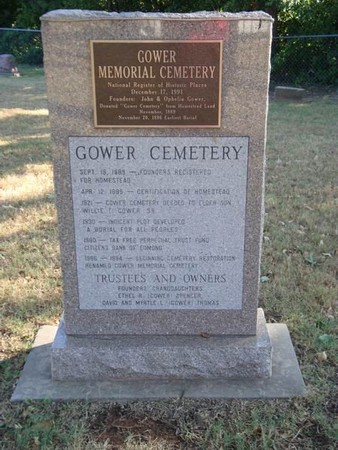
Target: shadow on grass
[
  {"x": 29, "y": 257},
  {"x": 188, "y": 424},
  {"x": 10, "y": 370},
  {"x": 27, "y": 375},
  {"x": 33, "y": 424},
  {"x": 24, "y": 150},
  {"x": 45, "y": 227},
  {"x": 15, "y": 205}
]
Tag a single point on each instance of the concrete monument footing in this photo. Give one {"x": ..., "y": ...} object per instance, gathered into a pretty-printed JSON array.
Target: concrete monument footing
[{"x": 36, "y": 381}]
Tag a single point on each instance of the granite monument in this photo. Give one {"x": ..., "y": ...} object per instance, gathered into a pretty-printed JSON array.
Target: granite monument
[{"x": 159, "y": 126}]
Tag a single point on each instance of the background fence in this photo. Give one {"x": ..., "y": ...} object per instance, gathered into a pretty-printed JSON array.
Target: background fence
[
  {"x": 305, "y": 60},
  {"x": 25, "y": 45},
  {"x": 296, "y": 60}
]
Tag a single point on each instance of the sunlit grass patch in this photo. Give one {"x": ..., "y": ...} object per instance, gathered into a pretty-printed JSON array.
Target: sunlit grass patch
[
  {"x": 30, "y": 287},
  {"x": 36, "y": 181},
  {"x": 16, "y": 112},
  {"x": 24, "y": 126},
  {"x": 30, "y": 292}
]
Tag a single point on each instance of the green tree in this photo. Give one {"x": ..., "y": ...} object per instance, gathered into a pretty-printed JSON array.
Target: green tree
[
  {"x": 309, "y": 17},
  {"x": 291, "y": 17},
  {"x": 312, "y": 60},
  {"x": 8, "y": 13}
]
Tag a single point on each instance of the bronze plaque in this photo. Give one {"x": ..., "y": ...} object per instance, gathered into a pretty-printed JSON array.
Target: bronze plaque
[{"x": 157, "y": 83}]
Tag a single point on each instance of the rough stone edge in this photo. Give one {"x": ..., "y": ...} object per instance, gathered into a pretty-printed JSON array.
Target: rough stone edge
[
  {"x": 261, "y": 329},
  {"x": 35, "y": 382},
  {"x": 79, "y": 14},
  {"x": 233, "y": 356}
]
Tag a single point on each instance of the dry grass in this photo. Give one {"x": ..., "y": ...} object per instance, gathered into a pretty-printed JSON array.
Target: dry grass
[
  {"x": 30, "y": 273},
  {"x": 298, "y": 287}
]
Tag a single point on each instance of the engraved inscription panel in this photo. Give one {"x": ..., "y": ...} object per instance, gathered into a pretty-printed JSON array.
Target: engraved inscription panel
[
  {"x": 156, "y": 83},
  {"x": 159, "y": 221}
]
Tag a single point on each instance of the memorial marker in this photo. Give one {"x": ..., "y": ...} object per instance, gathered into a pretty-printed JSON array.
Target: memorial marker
[
  {"x": 159, "y": 212},
  {"x": 157, "y": 83},
  {"x": 158, "y": 123}
]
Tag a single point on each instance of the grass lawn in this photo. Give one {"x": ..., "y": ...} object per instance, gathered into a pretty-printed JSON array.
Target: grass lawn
[{"x": 298, "y": 288}]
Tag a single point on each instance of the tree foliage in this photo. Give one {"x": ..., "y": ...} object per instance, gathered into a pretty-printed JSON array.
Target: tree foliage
[
  {"x": 309, "y": 17},
  {"x": 291, "y": 17},
  {"x": 9, "y": 12},
  {"x": 306, "y": 60}
]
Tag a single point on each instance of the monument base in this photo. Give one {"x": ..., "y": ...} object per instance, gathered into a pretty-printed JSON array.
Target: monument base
[
  {"x": 152, "y": 357},
  {"x": 36, "y": 383},
  {"x": 149, "y": 357}
]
